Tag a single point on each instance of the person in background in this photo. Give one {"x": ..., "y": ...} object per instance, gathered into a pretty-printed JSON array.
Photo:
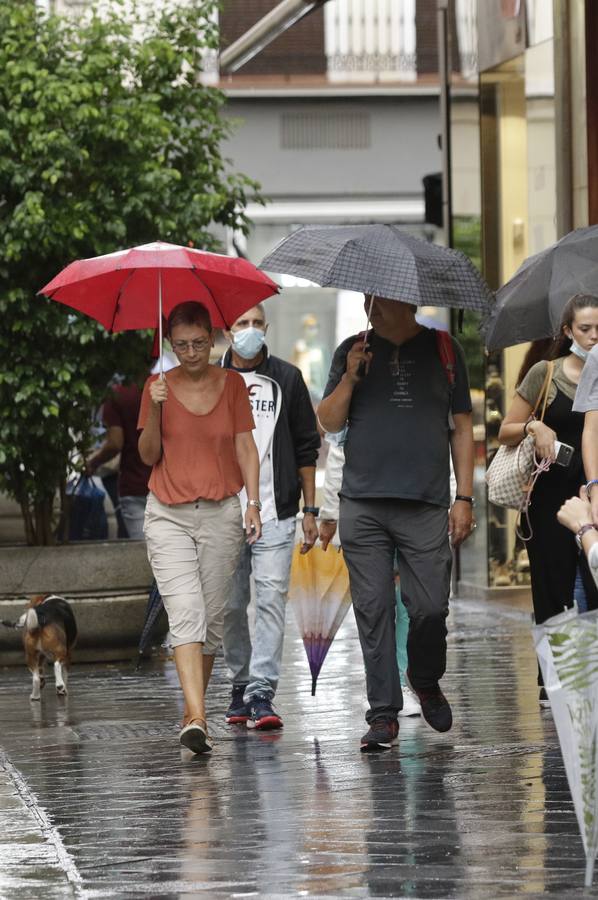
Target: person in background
[
  {"x": 309, "y": 355},
  {"x": 333, "y": 476},
  {"x": 288, "y": 442},
  {"x": 586, "y": 403},
  {"x": 577, "y": 515},
  {"x": 553, "y": 554},
  {"x": 196, "y": 434},
  {"x": 405, "y": 419},
  {"x": 120, "y": 413}
]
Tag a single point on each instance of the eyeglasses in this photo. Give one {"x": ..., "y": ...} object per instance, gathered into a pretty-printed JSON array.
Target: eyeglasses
[{"x": 186, "y": 346}]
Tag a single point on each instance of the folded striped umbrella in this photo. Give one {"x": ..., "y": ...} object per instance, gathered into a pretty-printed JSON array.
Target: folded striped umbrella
[{"x": 319, "y": 596}]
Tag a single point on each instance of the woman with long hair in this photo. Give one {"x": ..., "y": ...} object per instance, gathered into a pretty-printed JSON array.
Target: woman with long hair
[
  {"x": 196, "y": 433},
  {"x": 552, "y": 551}
]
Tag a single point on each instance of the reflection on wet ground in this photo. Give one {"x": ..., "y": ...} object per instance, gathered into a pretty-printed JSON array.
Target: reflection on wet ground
[{"x": 481, "y": 812}]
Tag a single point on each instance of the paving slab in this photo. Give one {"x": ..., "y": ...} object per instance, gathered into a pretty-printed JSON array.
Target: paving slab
[
  {"x": 33, "y": 862},
  {"x": 113, "y": 808}
]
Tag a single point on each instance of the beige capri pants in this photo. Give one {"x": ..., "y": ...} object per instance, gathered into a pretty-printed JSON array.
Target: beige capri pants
[{"x": 193, "y": 549}]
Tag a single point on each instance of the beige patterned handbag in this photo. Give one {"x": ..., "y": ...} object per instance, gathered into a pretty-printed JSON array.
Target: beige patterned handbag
[{"x": 510, "y": 475}]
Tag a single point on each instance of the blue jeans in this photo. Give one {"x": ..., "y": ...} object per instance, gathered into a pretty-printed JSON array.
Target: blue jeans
[
  {"x": 132, "y": 509},
  {"x": 269, "y": 559}
]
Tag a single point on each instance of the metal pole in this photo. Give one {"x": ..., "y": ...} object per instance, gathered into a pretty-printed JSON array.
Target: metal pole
[
  {"x": 283, "y": 16},
  {"x": 444, "y": 74},
  {"x": 562, "y": 111},
  {"x": 442, "y": 19}
]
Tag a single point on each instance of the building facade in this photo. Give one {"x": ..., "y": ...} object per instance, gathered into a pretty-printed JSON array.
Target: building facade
[{"x": 338, "y": 120}]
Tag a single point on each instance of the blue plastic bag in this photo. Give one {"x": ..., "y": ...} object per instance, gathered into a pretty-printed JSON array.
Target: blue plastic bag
[{"x": 87, "y": 519}]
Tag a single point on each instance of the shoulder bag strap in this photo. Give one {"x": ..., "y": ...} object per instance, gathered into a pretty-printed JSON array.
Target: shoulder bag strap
[
  {"x": 547, "y": 383},
  {"x": 543, "y": 395}
]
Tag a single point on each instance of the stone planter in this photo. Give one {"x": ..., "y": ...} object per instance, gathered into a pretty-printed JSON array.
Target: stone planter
[{"x": 106, "y": 583}]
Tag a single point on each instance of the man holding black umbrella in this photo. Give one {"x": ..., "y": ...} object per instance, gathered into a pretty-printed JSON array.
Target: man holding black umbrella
[{"x": 406, "y": 408}]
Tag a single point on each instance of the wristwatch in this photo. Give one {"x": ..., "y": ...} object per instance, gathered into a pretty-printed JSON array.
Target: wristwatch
[
  {"x": 583, "y": 530},
  {"x": 465, "y": 498},
  {"x": 314, "y": 510},
  {"x": 255, "y": 503}
]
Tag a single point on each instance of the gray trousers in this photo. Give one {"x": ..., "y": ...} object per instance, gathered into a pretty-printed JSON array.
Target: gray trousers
[{"x": 372, "y": 533}]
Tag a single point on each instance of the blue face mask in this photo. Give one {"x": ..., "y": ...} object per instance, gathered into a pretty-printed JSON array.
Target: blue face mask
[
  {"x": 248, "y": 342},
  {"x": 578, "y": 351}
]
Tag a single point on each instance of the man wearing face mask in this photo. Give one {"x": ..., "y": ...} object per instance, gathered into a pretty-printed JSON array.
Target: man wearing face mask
[{"x": 288, "y": 442}]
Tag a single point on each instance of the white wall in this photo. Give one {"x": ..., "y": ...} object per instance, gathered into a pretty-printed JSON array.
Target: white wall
[{"x": 402, "y": 148}]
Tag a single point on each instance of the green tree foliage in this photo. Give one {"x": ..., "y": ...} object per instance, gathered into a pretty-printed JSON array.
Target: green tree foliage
[
  {"x": 107, "y": 140},
  {"x": 467, "y": 237}
]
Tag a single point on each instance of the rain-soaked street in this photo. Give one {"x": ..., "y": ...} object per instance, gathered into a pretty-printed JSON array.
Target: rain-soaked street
[{"x": 97, "y": 800}]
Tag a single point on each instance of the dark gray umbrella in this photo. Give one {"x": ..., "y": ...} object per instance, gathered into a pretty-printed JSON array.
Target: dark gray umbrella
[
  {"x": 530, "y": 305},
  {"x": 152, "y": 612},
  {"x": 381, "y": 260}
]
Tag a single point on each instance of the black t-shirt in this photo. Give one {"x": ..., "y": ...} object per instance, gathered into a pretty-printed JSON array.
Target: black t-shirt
[{"x": 398, "y": 427}]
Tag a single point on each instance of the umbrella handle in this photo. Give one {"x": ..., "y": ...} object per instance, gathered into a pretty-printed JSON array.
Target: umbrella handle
[
  {"x": 361, "y": 368},
  {"x": 160, "y": 325},
  {"x": 589, "y": 877}
]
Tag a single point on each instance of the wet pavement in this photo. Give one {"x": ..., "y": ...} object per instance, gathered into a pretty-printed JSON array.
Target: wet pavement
[{"x": 97, "y": 800}]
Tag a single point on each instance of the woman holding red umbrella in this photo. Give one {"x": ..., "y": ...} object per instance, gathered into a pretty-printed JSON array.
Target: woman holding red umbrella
[{"x": 196, "y": 433}]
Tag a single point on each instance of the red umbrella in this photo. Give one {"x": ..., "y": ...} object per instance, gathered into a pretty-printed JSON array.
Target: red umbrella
[{"x": 132, "y": 288}]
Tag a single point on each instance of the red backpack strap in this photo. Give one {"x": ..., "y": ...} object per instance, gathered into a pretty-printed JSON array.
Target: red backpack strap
[{"x": 446, "y": 352}]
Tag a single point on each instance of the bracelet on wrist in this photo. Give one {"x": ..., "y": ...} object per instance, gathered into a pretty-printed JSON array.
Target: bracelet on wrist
[
  {"x": 590, "y": 484},
  {"x": 589, "y": 526},
  {"x": 526, "y": 431},
  {"x": 465, "y": 498}
]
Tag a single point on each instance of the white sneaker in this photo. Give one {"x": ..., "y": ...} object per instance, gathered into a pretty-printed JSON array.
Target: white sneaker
[
  {"x": 544, "y": 699},
  {"x": 411, "y": 705}
]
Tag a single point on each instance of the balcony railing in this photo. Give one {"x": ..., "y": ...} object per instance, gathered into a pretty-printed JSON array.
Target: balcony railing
[{"x": 372, "y": 40}]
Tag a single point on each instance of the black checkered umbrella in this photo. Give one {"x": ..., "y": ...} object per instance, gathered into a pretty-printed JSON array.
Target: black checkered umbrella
[{"x": 384, "y": 261}]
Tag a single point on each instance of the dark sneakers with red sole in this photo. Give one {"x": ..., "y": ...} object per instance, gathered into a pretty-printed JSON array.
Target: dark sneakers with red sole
[
  {"x": 238, "y": 711},
  {"x": 382, "y": 734},
  {"x": 262, "y": 716}
]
